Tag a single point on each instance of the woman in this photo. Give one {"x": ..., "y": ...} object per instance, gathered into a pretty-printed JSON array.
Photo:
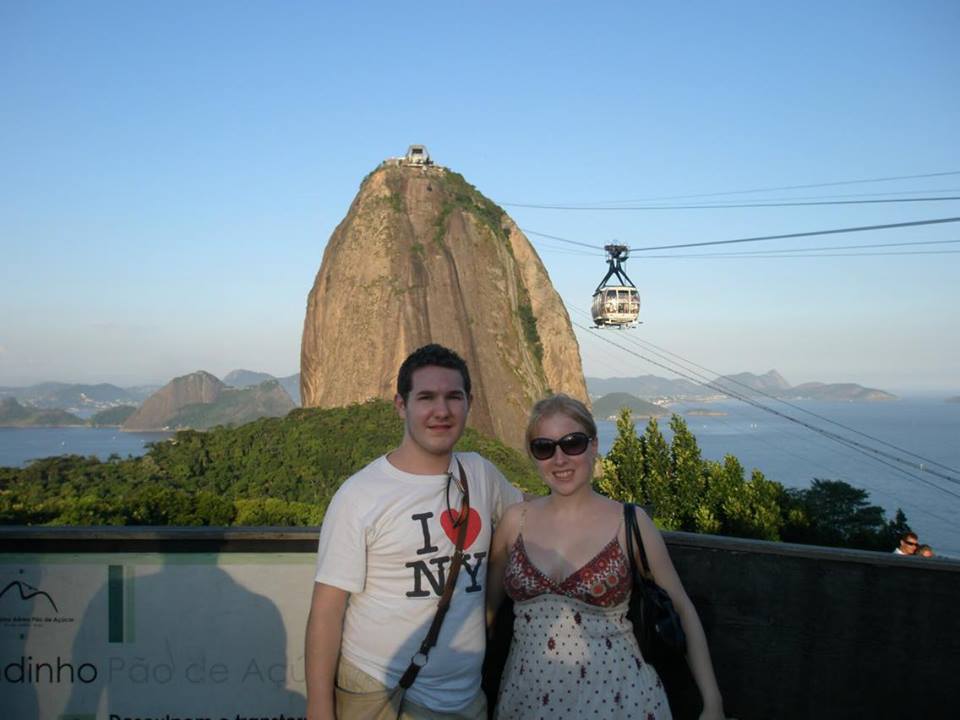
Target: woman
[{"x": 561, "y": 559}]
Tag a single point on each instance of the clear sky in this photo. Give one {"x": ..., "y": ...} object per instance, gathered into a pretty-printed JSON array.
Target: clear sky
[{"x": 170, "y": 172}]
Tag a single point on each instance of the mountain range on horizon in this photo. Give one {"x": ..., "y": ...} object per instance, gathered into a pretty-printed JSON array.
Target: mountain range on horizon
[
  {"x": 86, "y": 398},
  {"x": 650, "y": 387}
]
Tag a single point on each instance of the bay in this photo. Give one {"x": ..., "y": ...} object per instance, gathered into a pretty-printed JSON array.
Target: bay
[
  {"x": 19, "y": 446},
  {"x": 794, "y": 455}
]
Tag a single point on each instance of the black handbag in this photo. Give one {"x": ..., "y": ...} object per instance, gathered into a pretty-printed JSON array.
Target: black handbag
[{"x": 655, "y": 620}]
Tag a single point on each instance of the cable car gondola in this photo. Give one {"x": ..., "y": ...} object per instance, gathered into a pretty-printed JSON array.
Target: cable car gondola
[{"x": 616, "y": 305}]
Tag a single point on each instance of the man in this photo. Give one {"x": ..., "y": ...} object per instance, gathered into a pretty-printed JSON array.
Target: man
[
  {"x": 385, "y": 545},
  {"x": 908, "y": 544}
]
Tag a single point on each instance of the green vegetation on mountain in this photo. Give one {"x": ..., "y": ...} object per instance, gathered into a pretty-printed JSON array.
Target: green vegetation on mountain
[
  {"x": 111, "y": 417},
  {"x": 610, "y": 405},
  {"x": 689, "y": 493},
  {"x": 274, "y": 471},
  {"x": 13, "y": 414}
]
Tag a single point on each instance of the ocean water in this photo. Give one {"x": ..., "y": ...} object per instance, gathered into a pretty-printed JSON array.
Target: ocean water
[
  {"x": 18, "y": 446},
  {"x": 794, "y": 455}
]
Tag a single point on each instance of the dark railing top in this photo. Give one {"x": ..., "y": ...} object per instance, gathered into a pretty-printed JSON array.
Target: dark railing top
[{"x": 18, "y": 538}]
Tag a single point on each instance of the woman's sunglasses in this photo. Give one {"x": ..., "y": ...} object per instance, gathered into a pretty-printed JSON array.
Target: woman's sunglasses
[{"x": 575, "y": 443}]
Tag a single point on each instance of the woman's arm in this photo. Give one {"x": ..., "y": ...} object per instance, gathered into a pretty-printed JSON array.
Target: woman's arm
[
  {"x": 503, "y": 537},
  {"x": 698, "y": 654}
]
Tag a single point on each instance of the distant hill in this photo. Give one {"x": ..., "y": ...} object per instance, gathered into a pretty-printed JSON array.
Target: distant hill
[
  {"x": 954, "y": 399},
  {"x": 112, "y": 417},
  {"x": 73, "y": 396},
  {"x": 291, "y": 383},
  {"x": 141, "y": 392},
  {"x": 608, "y": 406},
  {"x": 13, "y": 414},
  {"x": 246, "y": 378},
  {"x": 748, "y": 384},
  {"x": 235, "y": 407},
  {"x": 160, "y": 408},
  {"x": 201, "y": 401},
  {"x": 645, "y": 386},
  {"x": 249, "y": 378},
  {"x": 771, "y": 383},
  {"x": 838, "y": 391}
]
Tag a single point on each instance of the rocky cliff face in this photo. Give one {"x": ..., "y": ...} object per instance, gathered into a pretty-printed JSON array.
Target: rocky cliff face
[
  {"x": 423, "y": 257},
  {"x": 165, "y": 403}
]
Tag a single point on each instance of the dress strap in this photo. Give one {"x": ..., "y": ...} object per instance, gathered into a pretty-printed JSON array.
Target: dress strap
[{"x": 523, "y": 517}]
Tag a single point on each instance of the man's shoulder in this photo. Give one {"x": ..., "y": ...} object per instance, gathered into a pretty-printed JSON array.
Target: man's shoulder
[
  {"x": 494, "y": 482},
  {"x": 479, "y": 464},
  {"x": 361, "y": 480}
]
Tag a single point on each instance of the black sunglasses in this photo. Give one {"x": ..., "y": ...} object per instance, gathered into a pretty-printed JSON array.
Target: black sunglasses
[{"x": 576, "y": 443}]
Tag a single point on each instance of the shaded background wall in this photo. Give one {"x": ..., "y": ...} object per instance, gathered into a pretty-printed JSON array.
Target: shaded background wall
[{"x": 795, "y": 631}]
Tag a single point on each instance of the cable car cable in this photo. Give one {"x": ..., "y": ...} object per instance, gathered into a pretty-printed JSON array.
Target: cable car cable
[
  {"x": 862, "y": 228},
  {"x": 726, "y": 379},
  {"x": 836, "y": 247},
  {"x": 721, "y": 256},
  {"x": 873, "y": 453},
  {"x": 814, "y": 252},
  {"x": 814, "y": 203},
  {"x": 711, "y": 384},
  {"x": 887, "y": 493},
  {"x": 789, "y": 187}
]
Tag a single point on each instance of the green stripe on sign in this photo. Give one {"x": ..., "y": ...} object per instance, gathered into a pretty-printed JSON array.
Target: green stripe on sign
[
  {"x": 115, "y": 603},
  {"x": 129, "y": 583},
  {"x": 85, "y": 716}
]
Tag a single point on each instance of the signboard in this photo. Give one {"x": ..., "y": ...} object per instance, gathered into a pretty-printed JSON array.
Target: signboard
[{"x": 130, "y": 636}]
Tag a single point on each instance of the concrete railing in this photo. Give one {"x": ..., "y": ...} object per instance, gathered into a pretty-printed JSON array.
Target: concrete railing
[{"x": 795, "y": 631}]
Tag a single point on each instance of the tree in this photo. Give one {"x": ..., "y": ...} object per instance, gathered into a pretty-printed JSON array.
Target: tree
[
  {"x": 838, "y": 514},
  {"x": 622, "y": 469},
  {"x": 687, "y": 480}
]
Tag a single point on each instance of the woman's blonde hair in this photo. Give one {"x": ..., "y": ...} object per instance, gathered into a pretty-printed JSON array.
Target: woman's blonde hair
[{"x": 560, "y": 404}]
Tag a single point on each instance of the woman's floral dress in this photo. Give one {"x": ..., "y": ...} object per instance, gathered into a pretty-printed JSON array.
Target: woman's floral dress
[{"x": 574, "y": 654}]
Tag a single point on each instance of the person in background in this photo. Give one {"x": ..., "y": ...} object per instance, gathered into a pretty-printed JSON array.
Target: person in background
[
  {"x": 561, "y": 559},
  {"x": 908, "y": 544},
  {"x": 925, "y": 551},
  {"x": 387, "y": 539}
]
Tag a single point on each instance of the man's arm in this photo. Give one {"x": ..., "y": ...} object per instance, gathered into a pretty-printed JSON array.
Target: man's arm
[
  {"x": 503, "y": 538},
  {"x": 322, "y": 652}
]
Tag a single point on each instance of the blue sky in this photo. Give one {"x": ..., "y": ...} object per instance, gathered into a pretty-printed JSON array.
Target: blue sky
[{"x": 170, "y": 172}]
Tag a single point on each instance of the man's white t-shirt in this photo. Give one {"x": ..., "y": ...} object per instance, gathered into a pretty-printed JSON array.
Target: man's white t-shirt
[{"x": 387, "y": 538}]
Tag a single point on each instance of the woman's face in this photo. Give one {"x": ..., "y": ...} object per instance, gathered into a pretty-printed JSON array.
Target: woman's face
[{"x": 565, "y": 474}]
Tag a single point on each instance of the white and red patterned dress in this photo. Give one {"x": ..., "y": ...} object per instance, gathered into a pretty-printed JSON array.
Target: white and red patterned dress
[{"x": 574, "y": 655}]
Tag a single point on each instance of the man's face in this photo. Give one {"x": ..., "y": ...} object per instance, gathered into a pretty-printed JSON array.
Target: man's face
[
  {"x": 435, "y": 411},
  {"x": 908, "y": 546}
]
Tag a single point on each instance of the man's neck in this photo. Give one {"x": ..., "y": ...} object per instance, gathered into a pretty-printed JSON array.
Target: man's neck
[{"x": 415, "y": 461}]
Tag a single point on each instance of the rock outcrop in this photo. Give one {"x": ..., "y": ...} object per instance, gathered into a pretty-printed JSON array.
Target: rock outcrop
[
  {"x": 158, "y": 409},
  {"x": 200, "y": 401},
  {"x": 423, "y": 257}
]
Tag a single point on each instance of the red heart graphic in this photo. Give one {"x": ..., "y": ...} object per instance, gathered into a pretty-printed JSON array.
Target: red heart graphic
[{"x": 449, "y": 517}]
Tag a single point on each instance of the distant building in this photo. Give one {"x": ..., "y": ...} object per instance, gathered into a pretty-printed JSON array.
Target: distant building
[{"x": 417, "y": 155}]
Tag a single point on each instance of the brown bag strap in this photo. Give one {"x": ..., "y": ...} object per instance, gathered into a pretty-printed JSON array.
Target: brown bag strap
[{"x": 420, "y": 658}]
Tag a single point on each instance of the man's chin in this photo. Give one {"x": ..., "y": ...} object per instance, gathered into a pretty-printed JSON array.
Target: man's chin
[{"x": 440, "y": 444}]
